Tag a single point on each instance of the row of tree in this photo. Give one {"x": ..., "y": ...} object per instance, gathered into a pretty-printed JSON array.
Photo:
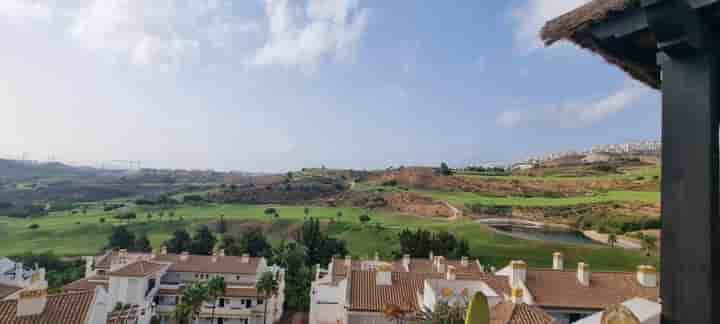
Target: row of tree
[{"x": 421, "y": 242}]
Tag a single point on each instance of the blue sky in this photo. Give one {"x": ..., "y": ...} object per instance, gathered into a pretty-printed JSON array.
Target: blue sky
[{"x": 272, "y": 85}]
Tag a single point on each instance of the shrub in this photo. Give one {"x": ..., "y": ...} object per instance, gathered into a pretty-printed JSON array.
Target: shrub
[
  {"x": 102, "y": 219},
  {"x": 33, "y": 226},
  {"x": 390, "y": 183}
]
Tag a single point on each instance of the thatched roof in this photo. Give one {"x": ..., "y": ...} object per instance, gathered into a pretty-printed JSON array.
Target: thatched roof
[{"x": 634, "y": 55}]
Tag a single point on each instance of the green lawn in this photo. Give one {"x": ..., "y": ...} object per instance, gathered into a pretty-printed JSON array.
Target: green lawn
[
  {"x": 460, "y": 198},
  {"x": 67, "y": 234}
]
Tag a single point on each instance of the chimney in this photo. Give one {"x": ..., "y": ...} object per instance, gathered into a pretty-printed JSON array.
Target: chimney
[
  {"x": 439, "y": 265},
  {"x": 383, "y": 276},
  {"x": 479, "y": 265},
  {"x": 19, "y": 272},
  {"x": 89, "y": 261},
  {"x": 222, "y": 252},
  {"x": 450, "y": 275},
  {"x": 245, "y": 258},
  {"x": 123, "y": 253},
  {"x": 647, "y": 276},
  {"x": 406, "y": 262},
  {"x": 558, "y": 262},
  {"x": 184, "y": 256},
  {"x": 464, "y": 261},
  {"x": 517, "y": 295},
  {"x": 317, "y": 272},
  {"x": 583, "y": 274},
  {"x": 32, "y": 300},
  {"x": 377, "y": 256},
  {"x": 163, "y": 250},
  {"x": 154, "y": 254},
  {"x": 214, "y": 257},
  {"x": 493, "y": 270},
  {"x": 518, "y": 274},
  {"x": 348, "y": 261},
  {"x": 432, "y": 256}
]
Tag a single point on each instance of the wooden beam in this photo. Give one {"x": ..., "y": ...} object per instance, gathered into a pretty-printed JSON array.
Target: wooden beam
[{"x": 619, "y": 26}]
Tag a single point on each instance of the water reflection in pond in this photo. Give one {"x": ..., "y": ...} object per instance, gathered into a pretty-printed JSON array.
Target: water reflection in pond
[{"x": 545, "y": 234}]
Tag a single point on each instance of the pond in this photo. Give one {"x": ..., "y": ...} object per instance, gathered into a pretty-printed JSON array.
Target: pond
[{"x": 544, "y": 234}]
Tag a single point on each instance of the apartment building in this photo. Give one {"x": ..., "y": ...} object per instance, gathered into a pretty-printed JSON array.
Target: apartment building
[
  {"x": 25, "y": 300},
  {"x": 358, "y": 291},
  {"x": 153, "y": 283}
]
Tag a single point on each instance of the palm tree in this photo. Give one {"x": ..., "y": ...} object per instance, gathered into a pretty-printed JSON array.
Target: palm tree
[
  {"x": 190, "y": 305},
  {"x": 267, "y": 285},
  {"x": 612, "y": 239},
  {"x": 216, "y": 288}
]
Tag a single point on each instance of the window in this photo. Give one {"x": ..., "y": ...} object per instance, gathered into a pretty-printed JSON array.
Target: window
[
  {"x": 237, "y": 278},
  {"x": 260, "y": 301},
  {"x": 222, "y": 302}
]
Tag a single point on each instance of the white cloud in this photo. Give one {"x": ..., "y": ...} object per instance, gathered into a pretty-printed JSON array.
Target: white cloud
[
  {"x": 147, "y": 32},
  {"x": 574, "y": 114},
  {"x": 529, "y": 17},
  {"x": 24, "y": 9},
  {"x": 304, "y": 35}
]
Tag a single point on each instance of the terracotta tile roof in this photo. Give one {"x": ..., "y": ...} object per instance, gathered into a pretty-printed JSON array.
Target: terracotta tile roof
[
  {"x": 139, "y": 269},
  {"x": 366, "y": 295},
  {"x": 6, "y": 290},
  {"x": 561, "y": 289},
  {"x": 66, "y": 308},
  {"x": 89, "y": 283},
  {"x": 204, "y": 263},
  {"x": 417, "y": 265},
  {"x": 123, "y": 316},
  {"x": 104, "y": 261},
  {"x": 509, "y": 313}
]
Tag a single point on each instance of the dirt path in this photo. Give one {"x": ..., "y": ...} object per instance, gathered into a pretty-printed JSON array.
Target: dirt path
[
  {"x": 621, "y": 242},
  {"x": 456, "y": 213}
]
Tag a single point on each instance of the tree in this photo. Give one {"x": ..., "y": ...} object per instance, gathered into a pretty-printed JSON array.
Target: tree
[
  {"x": 339, "y": 215},
  {"x": 221, "y": 225},
  {"x": 445, "y": 313},
  {"x": 612, "y": 239},
  {"x": 649, "y": 243},
  {"x": 319, "y": 247},
  {"x": 190, "y": 305},
  {"x": 142, "y": 244},
  {"x": 216, "y": 288},
  {"x": 180, "y": 242},
  {"x": 161, "y": 214},
  {"x": 306, "y": 211},
  {"x": 444, "y": 169},
  {"x": 149, "y": 216},
  {"x": 364, "y": 218},
  {"x": 121, "y": 238},
  {"x": 298, "y": 278},
  {"x": 203, "y": 241},
  {"x": 256, "y": 244},
  {"x": 230, "y": 245},
  {"x": 267, "y": 286}
]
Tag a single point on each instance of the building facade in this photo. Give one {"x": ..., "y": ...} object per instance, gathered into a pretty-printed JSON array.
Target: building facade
[
  {"x": 360, "y": 291},
  {"x": 154, "y": 282}
]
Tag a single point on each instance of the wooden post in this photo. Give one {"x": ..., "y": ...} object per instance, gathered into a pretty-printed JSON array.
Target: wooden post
[{"x": 690, "y": 232}]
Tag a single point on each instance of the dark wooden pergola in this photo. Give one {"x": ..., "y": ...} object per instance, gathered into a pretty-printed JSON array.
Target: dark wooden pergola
[{"x": 672, "y": 46}]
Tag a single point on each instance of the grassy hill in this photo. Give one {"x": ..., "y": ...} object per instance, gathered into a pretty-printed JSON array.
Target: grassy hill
[{"x": 78, "y": 234}]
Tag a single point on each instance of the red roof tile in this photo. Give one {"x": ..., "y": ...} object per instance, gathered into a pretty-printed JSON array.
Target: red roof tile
[{"x": 66, "y": 308}]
